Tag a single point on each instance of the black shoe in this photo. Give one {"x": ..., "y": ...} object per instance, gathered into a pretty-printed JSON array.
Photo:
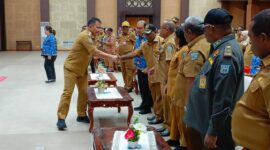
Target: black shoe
[
  {"x": 49, "y": 81},
  {"x": 145, "y": 111},
  {"x": 166, "y": 132},
  {"x": 83, "y": 119},
  {"x": 109, "y": 70},
  {"x": 129, "y": 90},
  {"x": 173, "y": 143},
  {"x": 180, "y": 148},
  {"x": 138, "y": 108},
  {"x": 155, "y": 121},
  {"x": 151, "y": 118},
  {"x": 160, "y": 129},
  {"x": 61, "y": 124}
]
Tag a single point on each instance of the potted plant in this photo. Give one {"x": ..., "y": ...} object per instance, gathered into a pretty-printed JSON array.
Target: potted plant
[
  {"x": 133, "y": 133},
  {"x": 101, "y": 85}
]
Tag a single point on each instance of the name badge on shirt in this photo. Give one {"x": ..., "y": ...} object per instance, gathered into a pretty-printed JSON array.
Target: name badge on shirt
[
  {"x": 202, "y": 82},
  {"x": 124, "y": 43},
  {"x": 158, "y": 57}
]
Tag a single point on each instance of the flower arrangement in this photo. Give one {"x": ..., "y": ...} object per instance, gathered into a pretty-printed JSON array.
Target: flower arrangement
[
  {"x": 134, "y": 132},
  {"x": 101, "y": 84}
]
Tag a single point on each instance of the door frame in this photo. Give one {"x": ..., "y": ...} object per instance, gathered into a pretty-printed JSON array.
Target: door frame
[
  {"x": 123, "y": 11},
  {"x": 2, "y": 26}
]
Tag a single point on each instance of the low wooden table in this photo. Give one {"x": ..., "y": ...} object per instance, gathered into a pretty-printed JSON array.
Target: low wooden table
[
  {"x": 112, "y": 81},
  {"x": 93, "y": 102},
  {"x": 103, "y": 138}
]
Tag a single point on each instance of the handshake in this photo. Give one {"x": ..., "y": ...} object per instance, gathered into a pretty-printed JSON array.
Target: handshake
[{"x": 116, "y": 58}]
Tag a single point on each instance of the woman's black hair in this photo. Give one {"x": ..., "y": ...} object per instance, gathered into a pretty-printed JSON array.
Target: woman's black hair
[
  {"x": 180, "y": 34},
  {"x": 50, "y": 29}
]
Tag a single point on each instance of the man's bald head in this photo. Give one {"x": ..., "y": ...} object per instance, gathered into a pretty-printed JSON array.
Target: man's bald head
[{"x": 167, "y": 28}]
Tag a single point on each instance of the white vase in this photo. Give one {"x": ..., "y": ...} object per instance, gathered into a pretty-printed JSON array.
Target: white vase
[
  {"x": 132, "y": 145},
  {"x": 101, "y": 90}
]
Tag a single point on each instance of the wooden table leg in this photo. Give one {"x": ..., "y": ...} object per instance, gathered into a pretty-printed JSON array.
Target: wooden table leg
[
  {"x": 130, "y": 113},
  {"x": 91, "y": 117},
  {"x": 119, "y": 109}
]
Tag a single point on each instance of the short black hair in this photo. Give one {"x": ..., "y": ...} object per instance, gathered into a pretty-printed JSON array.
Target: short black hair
[
  {"x": 261, "y": 23},
  {"x": 93, "y": 20},
  {"x": 180, "y": 34},
  {"x": 110, "y": 29}
]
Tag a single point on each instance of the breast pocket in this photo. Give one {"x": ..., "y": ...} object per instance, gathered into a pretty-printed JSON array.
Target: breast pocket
[{"x": 253, "y": 94}]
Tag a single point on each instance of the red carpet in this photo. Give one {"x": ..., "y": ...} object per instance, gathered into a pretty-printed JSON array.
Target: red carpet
[{"x": 2, "y": 78}]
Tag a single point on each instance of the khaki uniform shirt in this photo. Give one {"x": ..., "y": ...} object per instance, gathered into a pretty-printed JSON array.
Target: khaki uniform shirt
[
  {"x": 165, "y": 54},
  {"x": 126, "y": 43},
  {"x": 173, "y": 69},
  {"x": 110, "y": 48},
  {"x": 251, "y": 116},
  {"x": 248, "y": 56},
  {"x": 193, "y": 59},
  {"x": 151, "y": 53},
  {"x": 81, "y": 53}
]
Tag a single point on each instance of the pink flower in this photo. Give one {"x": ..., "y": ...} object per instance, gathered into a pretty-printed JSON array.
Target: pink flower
[{"x": 130, "y": 134}]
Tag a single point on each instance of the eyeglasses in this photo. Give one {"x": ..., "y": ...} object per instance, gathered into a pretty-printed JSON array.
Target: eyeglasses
[
  {"x": 207, "y": 26},
  {"x": 100, "y": 28}
]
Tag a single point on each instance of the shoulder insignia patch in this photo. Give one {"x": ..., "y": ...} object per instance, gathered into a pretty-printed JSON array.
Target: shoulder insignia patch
[
  {"x": 228, "y": 51},
  {"x": 194, "y": 55},
  {"x": 216, "y": 53},
  {"x": 184, "y": 54},
  {"x": 224, "y": 69}
]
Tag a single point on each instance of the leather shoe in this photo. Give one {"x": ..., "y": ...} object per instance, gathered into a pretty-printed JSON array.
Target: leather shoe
[
  {"x": 83, "y": 119},
  {"x": 49, "y": 81},
  {"x": 180, "y": 148},
  {"x": 166, "y": 132},
  {"x": 61, "y": 124},
  {"x": 155, "y": 121},
  {"x": 160, "y": 129},
  {"x": 173, "y": 143},
  {"x": 151, "y": 118},
  {"x": 129, "y": 90},
  {"x": 145, "y": 111},
  {"x": 138, "y": 108}
]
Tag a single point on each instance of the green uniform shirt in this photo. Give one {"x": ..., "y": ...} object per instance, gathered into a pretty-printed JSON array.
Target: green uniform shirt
[{"x": 217, "y": 87}]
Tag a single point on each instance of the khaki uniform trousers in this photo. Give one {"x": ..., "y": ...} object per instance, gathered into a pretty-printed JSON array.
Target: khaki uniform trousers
[
  {"x": 177, "y": 127},
  {"x": 182, "y": 127},
  {"x": 175, "y": 115},
  {"x": 166, "y": 109},
  {"x": 179, "y": 103},
  {"x": 155, "y": 89},
  {"x": 127, "y": 73},
  {"x": 70, "y": 79}
]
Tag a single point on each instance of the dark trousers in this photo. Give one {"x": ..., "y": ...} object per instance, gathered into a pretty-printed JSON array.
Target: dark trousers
[
  {"x": 225, "y": 142},
  {"x": 147, "y": 101},
  {"x": 92, "y": 65},
  {"x": 49, "y": 67}
]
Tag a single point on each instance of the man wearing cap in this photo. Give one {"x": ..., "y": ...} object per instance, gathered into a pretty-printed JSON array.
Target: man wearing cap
[
  {"x": 251, "y": 116},
  {"x": 151, "y": 51},
  {"x": 168, "y": 48},
  {"x": 216, "y": 88},
  {"x": 76, "y": 72},
  {"x": 126, "y": 44}
]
